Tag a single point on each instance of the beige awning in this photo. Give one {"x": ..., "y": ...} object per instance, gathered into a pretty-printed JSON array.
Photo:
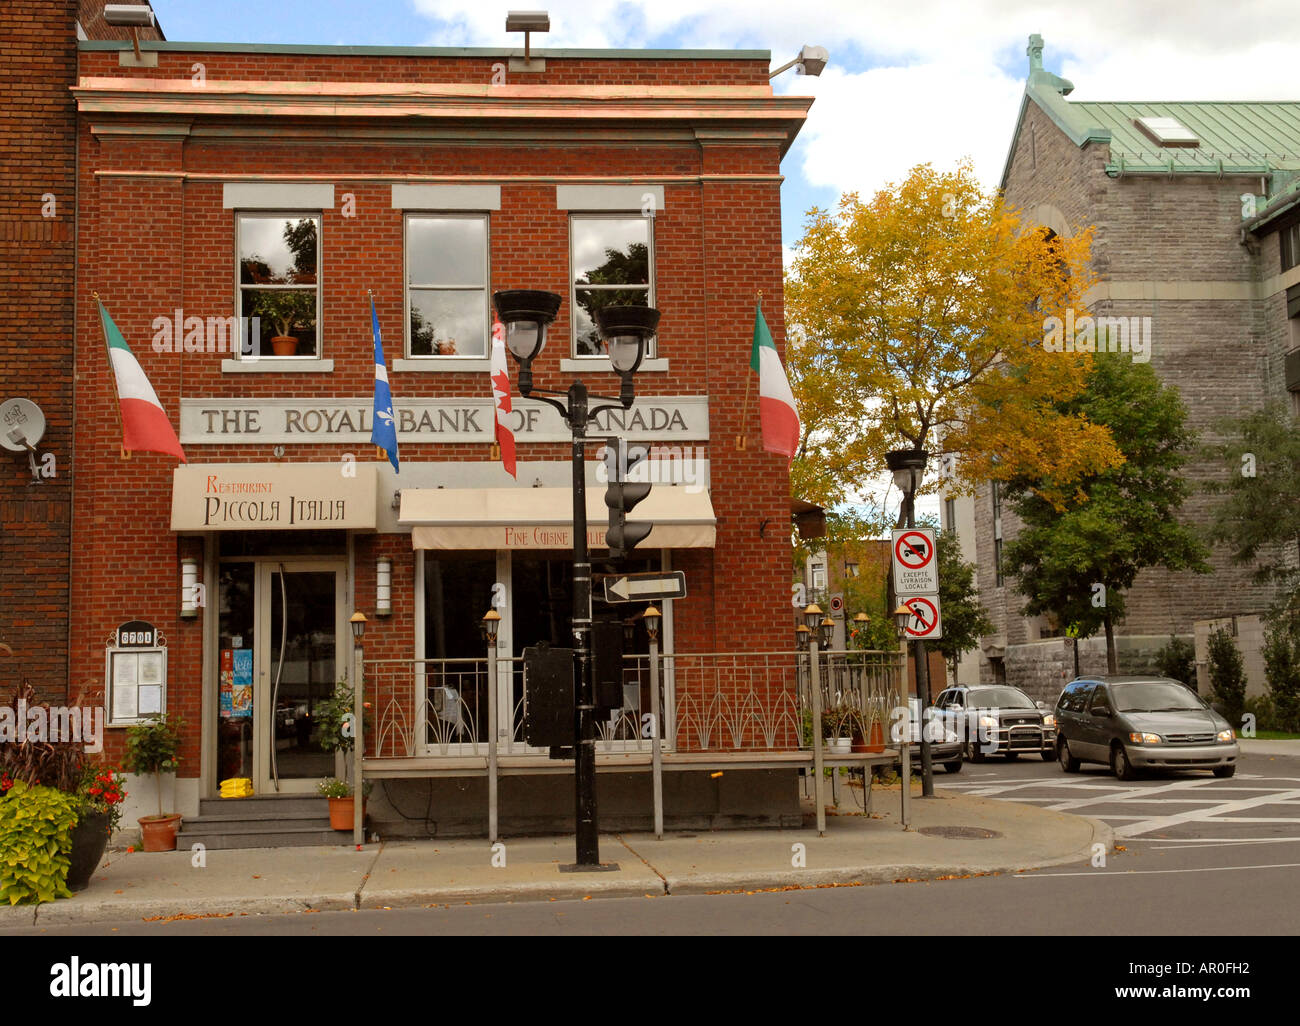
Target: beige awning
[
  {"x": 273, "y": 496},
  {"x": 542, "y": 518}
]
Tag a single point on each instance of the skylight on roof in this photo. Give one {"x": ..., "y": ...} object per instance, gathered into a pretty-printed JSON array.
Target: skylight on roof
[{"x": 1167, "y": 131}]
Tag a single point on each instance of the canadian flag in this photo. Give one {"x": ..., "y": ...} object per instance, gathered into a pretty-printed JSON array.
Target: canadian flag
[{"x": 501, "y": 397}]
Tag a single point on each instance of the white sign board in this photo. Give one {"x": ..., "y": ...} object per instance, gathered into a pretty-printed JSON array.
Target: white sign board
[
  {"x": 926, "y": 621},
  {"x": 915, "y": 561}
]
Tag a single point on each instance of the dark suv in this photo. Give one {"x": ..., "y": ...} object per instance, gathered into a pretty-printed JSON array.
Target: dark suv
[{"x": 1133, "y": 723}]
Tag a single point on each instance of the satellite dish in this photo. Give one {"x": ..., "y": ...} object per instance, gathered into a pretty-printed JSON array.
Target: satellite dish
[{"x": 22, "y": 425}]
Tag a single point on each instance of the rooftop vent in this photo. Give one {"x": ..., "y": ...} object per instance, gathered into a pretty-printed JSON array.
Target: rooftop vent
[{"x": 1167, "y": 131}]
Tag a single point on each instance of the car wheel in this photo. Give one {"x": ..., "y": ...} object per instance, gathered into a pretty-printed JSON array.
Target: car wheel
[
  {"x": 973, "y": 753},
  {"x": 1225, "y": 771},
  {"x": 1120, "y": 765},
  {"x": 1048, "y": 755},
  {"x": 952, "y": 767},
  {"x": 1068, "y": 762}
]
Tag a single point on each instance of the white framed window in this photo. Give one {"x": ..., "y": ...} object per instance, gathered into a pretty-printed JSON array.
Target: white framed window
[
  {"x": 448, "y": 312},
  {"x": 277, "y": 276},
  {"x": 611, "y": 261}
]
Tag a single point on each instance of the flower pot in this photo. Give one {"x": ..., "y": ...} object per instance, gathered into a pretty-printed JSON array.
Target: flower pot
[
  {"x": 341, "y": 813},
  {"x": 842, "y": 746},
  {"x": 284, "y": 345},
  {"x": 159, "y": 832},
  {"x": 875, "y": 738},
  {"x": 89, "y": 839}
]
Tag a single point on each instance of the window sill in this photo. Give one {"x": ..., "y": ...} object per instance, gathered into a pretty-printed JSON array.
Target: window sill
[
  {"x": 442, "y": 364},
  {"x": 600, "y": 365},
  {"x": 277, "y": 365}
]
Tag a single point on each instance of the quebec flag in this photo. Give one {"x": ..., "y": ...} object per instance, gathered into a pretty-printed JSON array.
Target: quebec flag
[{"x": 383, "y": 433}]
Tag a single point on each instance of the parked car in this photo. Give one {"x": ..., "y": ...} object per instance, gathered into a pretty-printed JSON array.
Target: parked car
[
  {"x": 945, "y": 745},
  {"x": 995, "y": 719},
  {"x": 1132, "y": 723}
]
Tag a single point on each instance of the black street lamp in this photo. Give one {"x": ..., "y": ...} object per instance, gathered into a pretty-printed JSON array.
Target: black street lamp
[
  {"x": 526, "y": 314},
  {"x": 908, "y": 466}
]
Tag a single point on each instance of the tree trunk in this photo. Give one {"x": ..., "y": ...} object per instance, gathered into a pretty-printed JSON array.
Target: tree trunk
[{"x": 1112, "y": 660}]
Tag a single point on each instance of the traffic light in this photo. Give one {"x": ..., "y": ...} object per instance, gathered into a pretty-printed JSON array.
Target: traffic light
[{"x": 621, "y": 497}]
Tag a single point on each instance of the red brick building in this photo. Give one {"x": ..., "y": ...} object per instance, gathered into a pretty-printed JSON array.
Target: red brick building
[{"x": 292, "y": 183}]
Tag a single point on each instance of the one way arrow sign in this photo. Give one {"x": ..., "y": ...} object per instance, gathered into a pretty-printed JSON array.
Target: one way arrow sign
[{"x": 651, "y": 587}]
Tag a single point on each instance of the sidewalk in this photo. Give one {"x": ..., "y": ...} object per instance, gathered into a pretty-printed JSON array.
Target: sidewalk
[{"x": 857, "y": 849}]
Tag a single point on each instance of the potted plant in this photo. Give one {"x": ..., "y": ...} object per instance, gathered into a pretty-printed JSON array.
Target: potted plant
[
  {"x": 340, "y": 794},
  {"x": 152, "y": 747},
  {"x": 100, "y": 796},
  {"x": 286, "y": 309}
]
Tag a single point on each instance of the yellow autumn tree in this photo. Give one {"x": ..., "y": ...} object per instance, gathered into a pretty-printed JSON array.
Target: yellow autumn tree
[{"x": 918, "y": 320}]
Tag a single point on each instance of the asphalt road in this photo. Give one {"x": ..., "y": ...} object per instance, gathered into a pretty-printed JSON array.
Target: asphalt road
[{"x": 1195, "y": 855}]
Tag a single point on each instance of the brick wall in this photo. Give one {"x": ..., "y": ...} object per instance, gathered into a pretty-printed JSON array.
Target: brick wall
[
  {"x": 37, "y": 160},
  {"x": 158, "y": 240}
]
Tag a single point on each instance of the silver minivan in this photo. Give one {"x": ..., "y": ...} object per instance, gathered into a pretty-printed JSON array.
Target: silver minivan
[{"x": 1132, "y": 723}]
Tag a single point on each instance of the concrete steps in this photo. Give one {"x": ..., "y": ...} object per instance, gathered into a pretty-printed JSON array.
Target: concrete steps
[{"x": 263, "y": 821}]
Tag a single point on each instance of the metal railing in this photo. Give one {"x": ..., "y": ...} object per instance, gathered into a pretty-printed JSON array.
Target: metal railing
[{"x": 711, "y": 702}]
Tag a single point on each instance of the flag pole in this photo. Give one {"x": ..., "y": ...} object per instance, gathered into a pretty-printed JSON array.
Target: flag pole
[
  {"x": 749, "y": 383},
  {"x": 117, "y": 403}
]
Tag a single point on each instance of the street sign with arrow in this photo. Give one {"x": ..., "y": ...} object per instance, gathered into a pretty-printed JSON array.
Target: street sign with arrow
[{"x": 651, "y": 587}]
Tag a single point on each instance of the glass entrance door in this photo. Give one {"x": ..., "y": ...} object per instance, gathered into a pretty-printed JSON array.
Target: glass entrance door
[{"x": 300, "y": 659}]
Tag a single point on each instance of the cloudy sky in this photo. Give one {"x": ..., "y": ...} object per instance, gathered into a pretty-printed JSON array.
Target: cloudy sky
[{"x": 909, "y": 80}]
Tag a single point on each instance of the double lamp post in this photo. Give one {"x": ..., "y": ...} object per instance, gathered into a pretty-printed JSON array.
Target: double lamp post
[{"x": 626, "y": 331}]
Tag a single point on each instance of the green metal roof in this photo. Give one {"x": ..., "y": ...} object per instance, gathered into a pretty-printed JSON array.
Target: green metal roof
[{"x": 1247, "y": 137}]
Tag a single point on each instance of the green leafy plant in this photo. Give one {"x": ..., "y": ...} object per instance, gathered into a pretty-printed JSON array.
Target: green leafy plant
[
  {"x": 333, "y": 787},
  {"x": 55, "y": 764},
  {"x": 1177, "y": 660},
  {"x": 153, "y": 747},
  {"x": 35, "y": 841},
  {"x": 286, "y": 309},
  {"x": 102, "y": 790},
  {"x": 1282, "y": 671},
  {"x": 1227, "y": 675},
  {"x": 334, "y": 717}
]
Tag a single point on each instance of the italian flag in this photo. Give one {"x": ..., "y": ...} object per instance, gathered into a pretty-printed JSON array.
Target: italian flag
[
  {"x": 145, "y": 426},
  {"x": 776, "y": 409}
]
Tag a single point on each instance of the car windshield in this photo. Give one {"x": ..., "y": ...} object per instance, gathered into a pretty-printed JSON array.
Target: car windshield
[
  {"x": 999, "y": 698},
  {"x": 1154, "y": 696}
]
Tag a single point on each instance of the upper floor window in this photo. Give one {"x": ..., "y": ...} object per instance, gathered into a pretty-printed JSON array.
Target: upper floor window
[
  {"x": 279, "y": 282},
  {"x": 819, "y": 577},
  {"x": 447, "y": 298},
  {"x": 1289, "y": 242},
  {"x": 612, "y": 260}
]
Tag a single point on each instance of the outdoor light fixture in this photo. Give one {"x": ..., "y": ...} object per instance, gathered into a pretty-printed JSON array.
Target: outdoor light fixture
[
  {"x": 862, "y": 619},
  {"x": 358, "y": 621},
  {"x": 135, "y": 15},
  {"x": 908, "y": 466},
  {"x": 383, "y": 587},
  {"x": 828, "y": 632},
  {"x": 490, "y": 625},
  {"x": 812, "y": 616},
  {"x": 526, "y": 314},
  {"x": 801, "y": 637},
  {"x": 652, "y": 618},
  {"x": 528, "y": 22},
  {"x": 811, "y": 61},
  {"x": 189, "y": 582},
  {"x": 627, "y": 331},
  {"x": 901, "y": 615}
]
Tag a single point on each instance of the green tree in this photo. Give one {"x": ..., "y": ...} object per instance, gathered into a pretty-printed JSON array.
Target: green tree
[
  {"x": 1227, "y": 674},
  {"x": 918, "y": 319},
  {"x": 1262, "y": 459},
  {"x": 1075, "y": 563},
  {"x": 1282, "y": 671},
  {"x": 1177, "y": 659},
  {"x": 964, "y": 618}
]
